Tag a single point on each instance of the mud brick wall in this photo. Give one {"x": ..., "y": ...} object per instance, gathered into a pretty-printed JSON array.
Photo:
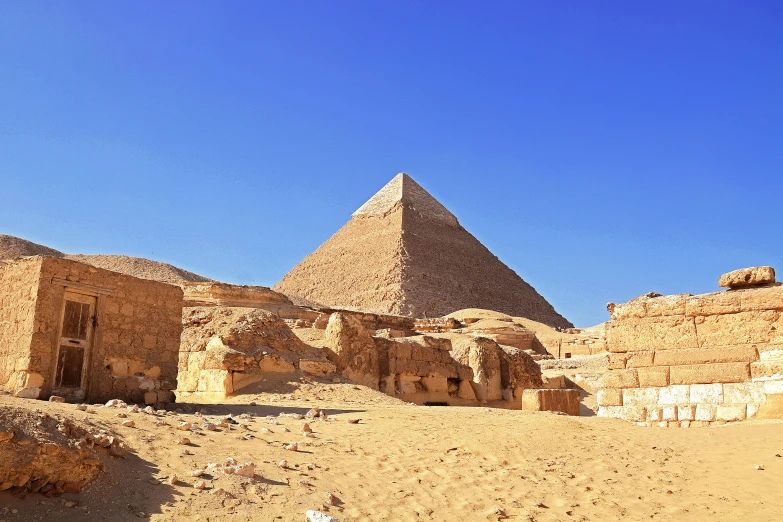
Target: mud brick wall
[
  {"x": 18, "y": 290},
  {"x": 686, "y": 360},
  {"x": 136, "y": 345}
]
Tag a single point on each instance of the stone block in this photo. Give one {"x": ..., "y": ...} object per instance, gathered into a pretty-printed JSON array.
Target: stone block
[
  {"x": 705, "y": 412},
  {"x": 317, "y": 367},
  {"x": 634, "y": 309},
  {"x": 764, "y": 298},
  {"x": 654, "y": 376},
  {"x": 241, "y": 380},
  {"x": 773, "y": 387},
  {"x": 275, "y": 364},
  {"x": 686, "y": 412},
  {"x": 752, "y": 410},
  {"x": 620, "y": 379},
  {"x": 744, "y": 277},
  {"x": 565, "y": 401},
  {"x": 215, "y": 381},
  {"x": 405, "y": 387},
  {"x": 670, "y": 413},
  {"x": 744, "y": 393},
  {"x": 730, "y": 413},
  {"x": 617, "y": 361},
  {"x": 640, "y": 397},
  {"x": 435, "y": 384},
  {"x": 610, "y": 397},
  {"x": 706, "y": 355},
  {"x": 634, "y": 413},
  {"x": 766, "y": 370},
  {"x": 610, "y": 412},
  {"x": 465, "y": 390},
  {"x": 667, "y": 305},
  {"x": 674, "y": 395},
  {"x": 650, "y": 334},
  {"x": 710, "y": 373},
  {"x": 713, "y": 304},
  {"x": 706, "y": 393},
  {"x": 639, "y": 359},
  {"x": 654, "y": 414},
  {"x": 740, "y": 329}
]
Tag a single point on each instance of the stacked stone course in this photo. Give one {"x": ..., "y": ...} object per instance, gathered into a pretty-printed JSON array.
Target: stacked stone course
[{"x": 685, "y": 360}]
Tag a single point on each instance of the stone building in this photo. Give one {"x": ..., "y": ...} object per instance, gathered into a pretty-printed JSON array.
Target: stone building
[
  {"x": 87, "y": 334},
  {"x": 690, "y": 360}
]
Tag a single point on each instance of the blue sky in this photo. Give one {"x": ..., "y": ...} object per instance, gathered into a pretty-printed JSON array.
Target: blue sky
[{"x": 600, "y": 149}]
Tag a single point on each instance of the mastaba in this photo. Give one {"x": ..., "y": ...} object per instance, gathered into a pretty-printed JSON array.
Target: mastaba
[{"x": 404, "y": 253}]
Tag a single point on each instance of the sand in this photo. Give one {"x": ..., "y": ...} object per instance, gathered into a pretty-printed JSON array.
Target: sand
[{"x": 403, "y": 462}]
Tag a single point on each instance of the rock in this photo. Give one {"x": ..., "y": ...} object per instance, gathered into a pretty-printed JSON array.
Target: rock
[
  {"x": 313, "y": 413},
  {"x": 201, "y": 485},
  {"x": 183, "y": 441},
  {"x": 70, "y": 503},
  {"x": 172, "y": 480},
  {"x": 306, "y": 428},
  {"x": 112, "y": 403},
  {"x": 209, "y": 426},
  {"x": 128, "y": 424},
  {"x": 197, "y": 473},
  {"x": 248, "y": 469},
  {"x": 760, "y": 467},
  {"x": 292, "y": 447},
  {"x": 317, "y": 516},
  {"x": 184, "y": 426},
  {"x": 81, "y": 407},
  {"x": 331, "y": 500},
  {"x": 282, "y": 464},
  {"x": 353, "y": 421},
  {"x": 56, "y": 398},
  {"x": 6, "y": 436},
  {"x": 121, "y": 416},
  {"x": 757, "y": 275}
]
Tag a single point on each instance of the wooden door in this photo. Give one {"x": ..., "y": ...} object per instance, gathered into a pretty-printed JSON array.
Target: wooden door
[{"x": 76, "y": 328}]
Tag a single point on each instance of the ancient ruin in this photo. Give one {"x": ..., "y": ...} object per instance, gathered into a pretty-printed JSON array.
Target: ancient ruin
[
  {"x": 685, "y": 360},
  {"x": 404, "y": 253},
  {"x": 80, "y": 332}
]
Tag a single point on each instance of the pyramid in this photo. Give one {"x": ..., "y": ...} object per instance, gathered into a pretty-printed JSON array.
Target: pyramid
[{"x": 404, "y": 253}]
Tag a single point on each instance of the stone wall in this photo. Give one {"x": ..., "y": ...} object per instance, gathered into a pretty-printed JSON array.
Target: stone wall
[
  {"x": 134, "y": 349},
  {"x": 685, "y": 360},
  {"x": 18, "y": 290}
]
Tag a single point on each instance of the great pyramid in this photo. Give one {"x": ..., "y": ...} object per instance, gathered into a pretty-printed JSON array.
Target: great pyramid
[{"x": 404, "y": 253}]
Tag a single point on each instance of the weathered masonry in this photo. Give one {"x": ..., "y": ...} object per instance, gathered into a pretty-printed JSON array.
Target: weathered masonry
[
  {"x": 685, "y": 360},
  {"x": 88, "y": 334}
]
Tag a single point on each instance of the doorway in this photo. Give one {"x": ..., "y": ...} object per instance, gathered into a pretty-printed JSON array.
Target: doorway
[{"x": 73, "y": 347}]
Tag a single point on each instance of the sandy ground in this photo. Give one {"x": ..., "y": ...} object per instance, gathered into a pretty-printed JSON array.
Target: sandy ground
[{"x": 403, "y": 462}]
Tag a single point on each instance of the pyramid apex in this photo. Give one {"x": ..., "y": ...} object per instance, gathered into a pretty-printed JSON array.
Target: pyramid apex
[{"x": 404, "y": 189}]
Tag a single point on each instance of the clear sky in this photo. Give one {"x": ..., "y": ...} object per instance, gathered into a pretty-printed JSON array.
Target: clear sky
[{"x": 600, "y": 149}]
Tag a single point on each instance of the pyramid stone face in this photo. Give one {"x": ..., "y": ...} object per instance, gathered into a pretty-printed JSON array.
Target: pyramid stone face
[{"x": 404, "y": 253}]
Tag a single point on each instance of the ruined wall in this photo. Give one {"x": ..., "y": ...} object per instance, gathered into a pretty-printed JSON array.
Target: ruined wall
[
  {"x": 135, "y": 347},
  {"x": 18, "y": 289},
  {"x": 686, "y": 360}
]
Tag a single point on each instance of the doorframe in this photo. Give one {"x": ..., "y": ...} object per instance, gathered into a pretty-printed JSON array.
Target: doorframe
[{"x": 87, "y": 364}]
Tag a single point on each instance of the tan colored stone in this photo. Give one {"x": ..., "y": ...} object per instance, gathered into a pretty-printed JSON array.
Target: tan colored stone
[
  {"x": 435, "y": 384},
  {"x": 730, "y": 413},
  {"x": 650, "y": 334},
  {"x": 763, "y": 298},
  {"x": 565, "y": 401},
  {"x": 674, "y": 395},
  {"x": 710, "y": 373},
  {"x": 639, "y": 359},
  {"x": 744, "y": 393},
  {"x": 634, "y": 413},
  {"x": 640, "y": 397},
  {"x": 758, "y": 275},
  {"x": 275, "y": 364},
  {"x": 611, "y": 412},
  {"x": 620, "y": 379},
  {"x": 766, "y": 370},
  {"x": 705, "y": 412},
  {"x": 617, "y": 361},
  {"x": 713, "y": 304},
  {"x": 706, "y": 355},
  {"x": 610, "y": 397},
  {"x": 317, "y": 367},
  {"x": 667, "y": 305},
  {"x": 706, "y": 393},
  {"x": 743, "y": 328},
  {"x": 654, "y": 376},
  {"x": 686, "y": 412},
  {"x": 465, "y": 390}
]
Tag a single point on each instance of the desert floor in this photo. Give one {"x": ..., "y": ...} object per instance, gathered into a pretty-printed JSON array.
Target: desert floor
[{"x": 404, "y": 462}]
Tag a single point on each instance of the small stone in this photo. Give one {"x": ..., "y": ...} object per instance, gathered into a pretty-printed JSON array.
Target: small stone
[
  {"x": 313, "y": 413},
  {"x": 318, "y": 516},
  {"x": 283, "y": 464},
  {"x": 353, "y": 421},
  {"x": 760, "y": 467},
  {"x": 184, "y": 426},
  {"x": 306, "y": 428},
  {"x": 757, "y": 275},
  {"x": 201, "y": 485},
  {"x": 331, "y": 500},
  {"x": 209, "y": 426},
  {"x": 197, "y": 473},
  {"x": 128, "y": 423},
  {"x": 248, "y": 469},
  {"x": 121, "y": 415},
  {"x": 285, "y": 430},
  {"x": 309, "y": 435},
  {"x": 183, "y": 441},
  {"x": 292, "y": 447},
  {"x": 56, "y": 398},
  {"x": 81, "y": 407},
  {"x": 186, "y": 452},
  {"x": 172, "y": 480},
  {"x": 70, "y": 503}
]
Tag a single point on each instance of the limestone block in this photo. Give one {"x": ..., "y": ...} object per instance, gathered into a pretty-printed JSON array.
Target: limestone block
[
  {"x": 764, "y": 298},
  {"x": 654, "y": 414},
  {"x": 196, "y": 361},
  {"x": 670, "y": 413},
  {"x": 705, "y": 412},
  {"x": 706, "y": 393},
  {"x": 187, "y": 381},
  {"x": 610, "y": 397},
  {"x": 145, "y": 383},
  {"x": 752, "y": 410},
  {"x": 405, "y": 387},
  {"x": 565, "y": 401},
  {"x": 621, "y": 379},
  {"x": 25, "y": 379},
  {"x": 740, "y": 329},
  {"x": 611, "y": 412},
  {"x": 276, "y": 364},
  {"x": 617, "y": 361},
  {"x": 771, "y": 354},
  {"x": 713, "y": 304},
  {"x": 654, "y": 376},
  {"x": 634, "y": 309},
  {"x": 408, "y": 377},
  {"x": 640, "y": 396},
  {"x": 465, "y": 390},
  {"x": 639, "y": 359},
  {"x": 153, "y": 372},
  {"x": 165, "y": 396},
  {"x": 686, "y": 412},
  {"x": 706, "y": 355},
  {"x": 215, "y": 381},
  {"x": 150, "y": 397},
  {"x": 730, "y": 412},
  {"x": 435, "y": 384},
  {"x": 666, "y": 305},
  {"x": 674, "y": 395},
  {"x": 744, "y": 393},
  {"x": 766, "y": 370},
  {"x": 634, "y": 413},
  {"x": 650, "y": 334},
  {"x": 710, "y": 373},
  {"x": 117, "y": 367},
  {"x": 316, "y": 367},
  {"x": 757, "y": 275},
  {"x": 773, "y": 387},
  {"x": 30, "y": 392}
]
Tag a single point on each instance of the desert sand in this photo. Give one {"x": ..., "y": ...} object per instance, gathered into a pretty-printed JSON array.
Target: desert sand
[{"x": 404, "y": 462}]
